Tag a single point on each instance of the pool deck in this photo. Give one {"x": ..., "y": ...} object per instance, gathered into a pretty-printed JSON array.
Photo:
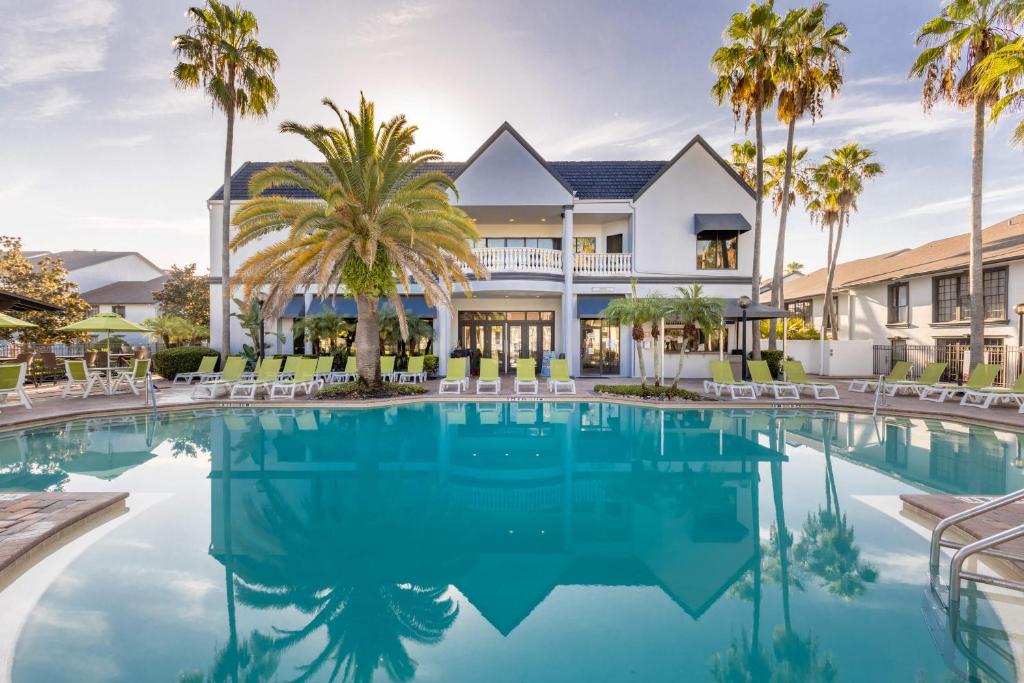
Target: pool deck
[
  {"x": 49, "y": 406},
  {"x": 32, "y": 525}
]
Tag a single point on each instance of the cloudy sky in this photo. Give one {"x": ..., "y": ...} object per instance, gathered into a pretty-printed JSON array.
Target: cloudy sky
[{"x": 100, "y": 151}]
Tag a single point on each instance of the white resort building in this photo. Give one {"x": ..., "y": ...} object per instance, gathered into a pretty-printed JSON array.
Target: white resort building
[{"x": 560, "y": 239}]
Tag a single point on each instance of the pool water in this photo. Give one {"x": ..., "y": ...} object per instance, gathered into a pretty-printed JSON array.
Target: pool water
[{"x": 499, "y": 542}]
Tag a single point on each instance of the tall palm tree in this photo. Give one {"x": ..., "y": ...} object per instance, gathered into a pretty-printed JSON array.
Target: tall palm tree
[
  {"x": 697, "y": 313},
  {"x": 637, "y": 313},
  {"x": 842, "y": 176},
  {"x": 746, "y": 69},
  {"x": 743, "y": 159},
  {"x": 383, "y": 219},
  {"x": 811, "y": 72},
  {"x": 1003, "y": 71},
  {"x": 957, "y": 42},
  {"x": 221, "y": 53}
]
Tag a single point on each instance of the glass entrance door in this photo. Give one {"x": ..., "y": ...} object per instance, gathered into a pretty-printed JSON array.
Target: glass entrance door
[
  {"x": 599, "y": 347},
  {"x": 509, "y": 336}
]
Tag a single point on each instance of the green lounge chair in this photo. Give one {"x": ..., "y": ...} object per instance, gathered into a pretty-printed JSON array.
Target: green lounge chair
[
  {"x": 931, "y": 375},
  {"x": 387, "y": 369},
  {"x": 323, "y": 368},
  {"x": 304, "y": 378},
  {"x": 722, "y": 379},
  {"x": 268, "y": 374},
  {"x": 898, "y": 373},
  {"x": 526, "y": 376},
  {"x": 350, "y": 372},
  {"x": 79, "y": 375},
  {"x": 12, "y": 381},
  {"x": 763, "y": 381},
  {"x": 980, "y": 379},
  {"x": 207, "y": 364},
  {"x": 985, "y": 397},
  {"x": 456, "y": 379},
  {"x": 560, "y": 382},
  {"x": 135, "y": 378},
  {"x": 489, "y": 377},
  {"x": 291, "y": 364},
  {"x": 234, "y": 369},
  {"x": 820, "y": 390},
  {"x": 414, "y": 372}
]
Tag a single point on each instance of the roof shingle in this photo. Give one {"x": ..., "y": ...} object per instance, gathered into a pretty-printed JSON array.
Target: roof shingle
[{"x": 126, "y": 292}]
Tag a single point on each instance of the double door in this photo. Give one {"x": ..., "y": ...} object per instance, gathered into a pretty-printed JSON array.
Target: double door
[
  {"x": 599, "y": 347},
  {"x": 509, "y": 340}
]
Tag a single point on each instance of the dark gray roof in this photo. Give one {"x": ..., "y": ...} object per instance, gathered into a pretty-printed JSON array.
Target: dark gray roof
[
  {"x": 83, "y": 258},
  {"x": 126, "y": 292},
  {"x": 588, "y": 179}
]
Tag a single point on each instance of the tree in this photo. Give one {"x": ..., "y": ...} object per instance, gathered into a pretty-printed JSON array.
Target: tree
[
  {"x": 1005, "y": 69},
  {"x": 743, "y": 159},
  {"x": 958, "y": 41},
  {"x": 325, "y": 326},
  {"x": 746, "y": 68},
  {"x": 697, "y": 313},
  {"x": 250, "y": 315},
  {"x": 46, "y": 280},
  {"x": 382, "y": 221},
  {"x": 391, "y": 329},
  {"x": 842, "y": 177},
  {"x": 637, "y": 313},
  {"x": 810, "y": 71},
  {"x": 185, "y": 294},
  {"x": 221, "y": 54},
  {"x": 794, "y": 267}
]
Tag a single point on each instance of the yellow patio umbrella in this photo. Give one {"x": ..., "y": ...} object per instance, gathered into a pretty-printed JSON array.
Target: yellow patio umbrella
[
  {"x": 11, "y": 321},
  {"x": 104, "y": 322}
]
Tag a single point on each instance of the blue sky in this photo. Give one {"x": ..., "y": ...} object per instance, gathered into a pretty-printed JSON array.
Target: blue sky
[{"x": 100, "y": 151}]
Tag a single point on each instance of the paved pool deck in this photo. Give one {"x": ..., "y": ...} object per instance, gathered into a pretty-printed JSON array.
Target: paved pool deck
[{"x": 48, "y": 405}]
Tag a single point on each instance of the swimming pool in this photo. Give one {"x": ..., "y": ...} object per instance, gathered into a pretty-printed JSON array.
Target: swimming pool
[{"x": 499, "y": 542}]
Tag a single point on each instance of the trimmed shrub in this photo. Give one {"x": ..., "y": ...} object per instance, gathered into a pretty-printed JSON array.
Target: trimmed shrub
[
  {"x": 169, "y": 362},
  {"x": 358, "y": 390},
  {"x": 430, "y": 364},
  {"x": 647, "y": 391},
  {"x": 774, "y": 360}
]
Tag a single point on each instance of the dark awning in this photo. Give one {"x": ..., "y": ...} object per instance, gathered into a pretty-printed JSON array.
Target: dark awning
[
  {"x": 754, "y": 311},
  {"x": 719, "y": 221},
  {"x": 296, "y": 308},
  {"x": 346, "y": 308},
  {"x": 591, "y": 306},
  {"x": 9, "y": 301}
]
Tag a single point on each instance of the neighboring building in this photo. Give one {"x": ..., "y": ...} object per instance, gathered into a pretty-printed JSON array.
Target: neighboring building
[
  {"x": 560, "y": 240},
  {"x": 921, "y": 295},
  {"x": 118, "y": 281},
  {"x": 766, "y": 283}
]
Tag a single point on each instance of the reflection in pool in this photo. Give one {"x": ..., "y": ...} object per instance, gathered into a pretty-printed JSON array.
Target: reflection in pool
[{"x": 501, "y": 542}]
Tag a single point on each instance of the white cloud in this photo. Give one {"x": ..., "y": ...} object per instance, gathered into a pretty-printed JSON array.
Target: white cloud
[
  {"x": 389, "y": 24},
  {"x": 1003, "y": 195},
  {"x": 124, "y": 141},
  {"x": 881, "y": 79},
  {"x": 71, "y": 37},
  {"x": 10, "y": 190},
  {"x": 167, "y": 102},
  {"x": 56, "y": 102}
]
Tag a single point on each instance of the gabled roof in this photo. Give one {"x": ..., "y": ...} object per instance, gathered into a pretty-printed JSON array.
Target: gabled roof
[
  {"x": 126, "y": 292},
  {"x": 1001, "y": 242},
  {"x": 75, "y": 259},
  {"x": 698, "y": 140},
  {"x": 506, "y": 127}
]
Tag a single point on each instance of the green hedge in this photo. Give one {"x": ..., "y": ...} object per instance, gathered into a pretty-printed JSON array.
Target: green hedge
[
  {"x": 169, "y": 362},
  {"x": 662, "y": 393},
  {"x": 774, "y": 360},
  {"x": 359, "y": 390}
]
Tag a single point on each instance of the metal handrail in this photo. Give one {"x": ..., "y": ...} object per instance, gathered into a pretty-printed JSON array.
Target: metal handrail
[
  {"x": 878, "y": 392},
  {"x": 940, "y": 528},
  {"x": 956, "y": 569}
]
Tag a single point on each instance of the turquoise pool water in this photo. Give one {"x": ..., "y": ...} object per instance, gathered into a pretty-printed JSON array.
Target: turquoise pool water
[{"x": 501, "y": 542}]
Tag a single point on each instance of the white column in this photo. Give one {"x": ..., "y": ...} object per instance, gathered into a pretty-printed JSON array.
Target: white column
[
  {"x": 568, "y": 298},
  {"x": 307, "y": 299},
  {"x": 442, "y": 339}
]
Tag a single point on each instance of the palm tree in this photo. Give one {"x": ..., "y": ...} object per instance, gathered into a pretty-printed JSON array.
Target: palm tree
[
  {"x": 743, "y": 159},
  {"x": 220, "y": 53},
  {"x": 697, "y": 313},
  {"x": 746, "y": 68},
  {"x": 391, "y": 329},
  {"x": 1004, "y": 69},
  {"x": 842, "y": 177},
  {"x": 811, "y": 71},
  {"x": 794, "y": 267},
  {"x": 383, "y": 220},
  {"x": 325, "y": 326},
  {"x": 957, "y": 42},
  {"x": 636, "y": 312}
]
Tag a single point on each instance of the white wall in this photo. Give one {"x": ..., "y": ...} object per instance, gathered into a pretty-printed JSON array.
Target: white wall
[
  {"x": 136, "y": 313},
  {"x": 506, "y": 174},
  {"x": 665, "y": 242},
  {"x": 131, "y": 267}
]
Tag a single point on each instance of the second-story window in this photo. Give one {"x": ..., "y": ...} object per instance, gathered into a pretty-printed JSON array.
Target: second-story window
[
  {"x": 952, "y": 296},
  {"x": 899, "y": 303},
  {"x": 538, "y": 242},
  {"x": 717, "y": 250},
  {"x": 118, "y": 308}
]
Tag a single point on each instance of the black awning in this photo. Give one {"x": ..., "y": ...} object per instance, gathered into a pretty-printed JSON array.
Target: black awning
[
  {"x": 346, "y": 308},
  {"x": 591, "y": 306},
  {"x": 296, "y": 308},
  {"x": 9, "y": 301},
  {"x": 754, "y": 311},
  {"x": 714, "y": 222}
]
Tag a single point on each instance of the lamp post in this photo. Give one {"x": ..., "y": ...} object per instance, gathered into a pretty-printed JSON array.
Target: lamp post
[{"x": 744, "y": 303}]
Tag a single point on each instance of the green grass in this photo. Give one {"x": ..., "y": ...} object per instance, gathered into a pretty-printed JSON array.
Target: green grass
[
  {"x": 648, "y": 391},
  {"x": 359, "y": 391}
]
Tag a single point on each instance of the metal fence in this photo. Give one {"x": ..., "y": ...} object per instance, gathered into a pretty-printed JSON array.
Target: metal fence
[
  {"x": 955, "y": 356},
  {"x": 11, "y": 349}
]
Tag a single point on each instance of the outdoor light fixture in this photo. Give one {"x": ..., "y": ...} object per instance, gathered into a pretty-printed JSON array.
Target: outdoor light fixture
[
  {"x": 744, "y": 303},
  {"x": 1019, "y": 310}
]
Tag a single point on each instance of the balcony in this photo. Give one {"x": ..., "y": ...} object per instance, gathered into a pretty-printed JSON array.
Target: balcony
[{"x": 535, "y": 260}]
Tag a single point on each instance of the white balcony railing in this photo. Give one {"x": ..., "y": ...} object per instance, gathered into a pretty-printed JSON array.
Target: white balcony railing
[
  {"x": 603, "y": 264},
  {"x": 535, "y": 260},
  {"x": 520, "y": 259}
]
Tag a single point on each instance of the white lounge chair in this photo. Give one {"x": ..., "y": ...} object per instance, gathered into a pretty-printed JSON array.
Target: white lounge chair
[
  {"x": 722, "y": 379},
  {"x": 898, "y": 373},
  {"x": 820, "y": 390},
  {"x": 206, "y": 367},
  {"x": 560, "y": 382},
  {"x": 79, "y": 375},
  {"x": 981, "y": 379},
  {"x": 457, "y": 380},
  {"x": 135, "y": 378},
  {"x": 489, "y": 381},
  {"x": 303, "y": 378},
  {"x": 268, "y": 375},
  {"x": 986, "y": 397},
  {"x": 12, "y": 381},
  {"x": 234, "y": 368}
]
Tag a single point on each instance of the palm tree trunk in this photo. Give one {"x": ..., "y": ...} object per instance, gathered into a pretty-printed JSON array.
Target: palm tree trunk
[
  {"x": 834, "y": 259},
  {"x": 826, "y": 309},
  {"x": 638, "y": 342},
  {"x": 679, "y": 365},
  {"x": 225, "y": 238},
  {"x": 977, "y": 282},
  {"x": 658, "y": 342},
  {"x": 755, "y": 269},
  {"x": 780, "y": 246},
  {"x": 367, "y": 340}
]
